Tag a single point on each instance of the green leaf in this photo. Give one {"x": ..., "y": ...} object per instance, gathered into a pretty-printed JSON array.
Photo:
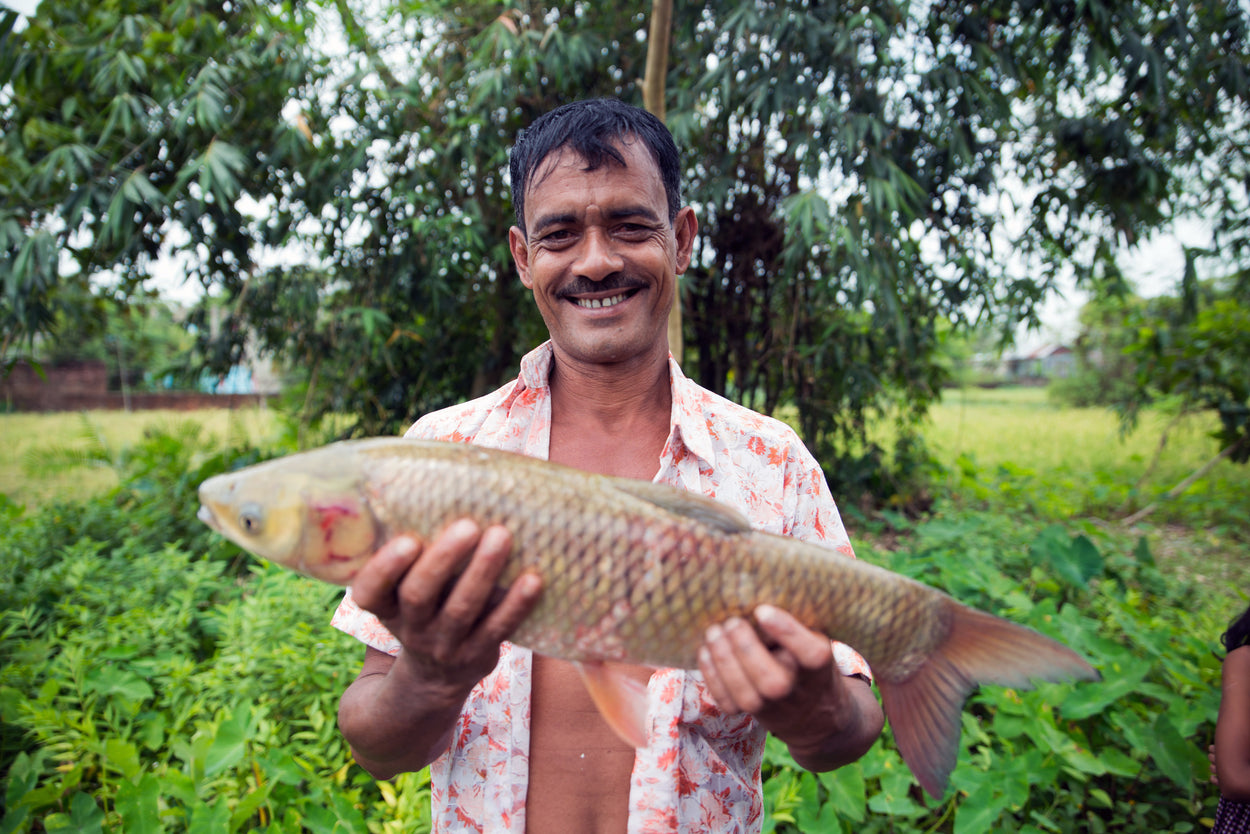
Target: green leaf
[
  {"x": 1074, "y": 559},
  {"x": 123, "y": 757},
  {"x": 85, "y": 817},
  {"x": 229, "y": 743},
  {"x": 1091, "y": 698},
  {"x": 253, "y": 800},
  {"x": 111, "y": 681},
  {"x": 847, "y": 792},
  {"x": 1177, "y": 757},
  {"x": 209, "y": 819},
  {"x": 138, "y": 805},
  {"x": 140, "y": 191},
  {"x": 219, "y": 167},
  {"x": 980, "y": 812}
]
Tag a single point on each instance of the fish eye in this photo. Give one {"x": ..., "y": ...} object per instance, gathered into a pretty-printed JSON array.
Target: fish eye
[{"x": 251, "y": 519}]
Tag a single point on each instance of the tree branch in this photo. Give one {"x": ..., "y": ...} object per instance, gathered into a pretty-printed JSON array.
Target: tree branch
[{"x": 1182, "y": 486}]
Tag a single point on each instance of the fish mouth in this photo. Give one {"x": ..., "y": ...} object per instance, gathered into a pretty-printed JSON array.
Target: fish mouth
[{"x": 207, "y": 516}]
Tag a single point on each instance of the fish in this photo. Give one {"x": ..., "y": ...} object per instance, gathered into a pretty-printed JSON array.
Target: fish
[{"x": 635, "y": 572}]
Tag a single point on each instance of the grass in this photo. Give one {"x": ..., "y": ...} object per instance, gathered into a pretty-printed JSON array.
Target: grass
[
  {"x": 26, "y": 476},
  {"x": 1019, "y": 425},
  {"x": 1082, "y": 468}
]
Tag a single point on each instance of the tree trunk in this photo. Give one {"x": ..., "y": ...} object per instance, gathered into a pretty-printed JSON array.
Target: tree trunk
[{"x": 653, "y": 100}]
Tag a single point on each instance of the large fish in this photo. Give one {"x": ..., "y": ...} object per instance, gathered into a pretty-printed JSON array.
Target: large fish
[{"x": 635, "y": 572}]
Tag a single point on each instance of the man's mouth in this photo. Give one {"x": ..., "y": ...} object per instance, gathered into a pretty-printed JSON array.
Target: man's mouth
[{"x": 609, "y": 301}]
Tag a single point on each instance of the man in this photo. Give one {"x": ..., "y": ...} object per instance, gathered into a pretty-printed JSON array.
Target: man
[{"x": 515, "y": 742}]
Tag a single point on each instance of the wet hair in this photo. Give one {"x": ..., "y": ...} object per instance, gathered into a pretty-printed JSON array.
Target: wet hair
[
  {"x": 592, "y": 129},
  {"x": 1238, "y": 633}
]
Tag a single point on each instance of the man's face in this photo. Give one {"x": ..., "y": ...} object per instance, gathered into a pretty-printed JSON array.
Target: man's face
[{"x": 601, "y": 256}]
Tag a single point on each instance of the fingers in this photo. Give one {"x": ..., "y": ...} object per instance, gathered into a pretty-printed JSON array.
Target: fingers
[
  {"x": 452, "y": 581},
  {"x": 373, "y": 588},
  {"x": 741, "y": 673},
  {"x": 812, "y": 650},
  {"x": 505, "y": 617},
  {"x": 744, "y": 675},
  {"x": 442, "y": 599}
]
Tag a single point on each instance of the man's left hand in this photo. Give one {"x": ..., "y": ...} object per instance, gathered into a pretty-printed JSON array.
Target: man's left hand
[{"x": 791, "y": 687}]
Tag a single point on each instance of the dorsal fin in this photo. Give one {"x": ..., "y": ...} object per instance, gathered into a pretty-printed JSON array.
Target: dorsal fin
[{"x": 688, "y": 504}]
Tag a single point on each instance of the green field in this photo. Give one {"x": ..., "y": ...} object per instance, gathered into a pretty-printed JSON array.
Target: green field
[
  {"x": 1022, "y": 427},
  {"x": 28, "y": 476}
]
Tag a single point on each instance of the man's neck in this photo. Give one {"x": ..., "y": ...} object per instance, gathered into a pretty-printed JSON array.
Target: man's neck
[
  {"x": 611, "y": 396},
  {"x": 612, "y": 419}
]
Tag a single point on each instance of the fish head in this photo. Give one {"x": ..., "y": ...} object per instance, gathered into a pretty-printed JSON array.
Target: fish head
[{"x": 309, "y": 519}]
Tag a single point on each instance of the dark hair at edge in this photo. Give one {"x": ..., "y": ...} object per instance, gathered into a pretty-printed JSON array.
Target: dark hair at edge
[
  {"x": 592, "y": 129},
  {"x": 1238, "y": 633}
]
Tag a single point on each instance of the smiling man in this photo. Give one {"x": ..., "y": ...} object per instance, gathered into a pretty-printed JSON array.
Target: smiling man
[{"x": 514, "y": 740}]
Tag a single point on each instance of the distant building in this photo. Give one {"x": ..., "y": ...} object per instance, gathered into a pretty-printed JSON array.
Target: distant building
[{"x": 1050, "y": 361}]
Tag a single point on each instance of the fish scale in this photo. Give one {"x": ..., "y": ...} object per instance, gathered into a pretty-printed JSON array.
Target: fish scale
[{"x": 636, "y": 572}]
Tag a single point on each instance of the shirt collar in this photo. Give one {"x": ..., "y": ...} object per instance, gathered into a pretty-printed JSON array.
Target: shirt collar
[
  {"x": 536, "y": 366},
  {"x": 687, "y": 423}
]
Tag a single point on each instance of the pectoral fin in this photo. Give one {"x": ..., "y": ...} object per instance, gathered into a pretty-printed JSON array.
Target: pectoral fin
[{"x": 621, "y": 699}]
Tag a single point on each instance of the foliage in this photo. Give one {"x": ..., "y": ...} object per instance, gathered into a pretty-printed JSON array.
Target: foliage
[
  {"x": 417, "y": 305},
  {"x": 1198, "y": 350},
  {"x": 152, "y": 678},
  {"x": 142, "y": 340},
  {"x": 1192, "y": 349},
  {"x": 133, "y": 130},
  {"x": 1126, "y": 754},
  {"x": 861, "y": 174}
]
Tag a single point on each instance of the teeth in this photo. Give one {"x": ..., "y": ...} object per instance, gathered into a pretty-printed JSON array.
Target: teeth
[{"x": 595, "y": 303}]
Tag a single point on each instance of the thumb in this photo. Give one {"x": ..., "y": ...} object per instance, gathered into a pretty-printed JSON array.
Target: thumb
[{"x": 810, "y": 648}]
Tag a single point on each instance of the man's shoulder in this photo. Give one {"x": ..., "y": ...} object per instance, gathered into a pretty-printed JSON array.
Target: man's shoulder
[
  {"x": 722, "y": 414},
  {"x": 461, "y": 422}
]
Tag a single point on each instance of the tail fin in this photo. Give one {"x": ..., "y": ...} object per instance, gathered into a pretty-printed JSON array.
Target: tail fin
[{"x": 924, "y": 710}]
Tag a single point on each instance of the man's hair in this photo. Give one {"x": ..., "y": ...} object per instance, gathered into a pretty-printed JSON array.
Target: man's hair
[{"x": 592, "y": 129}]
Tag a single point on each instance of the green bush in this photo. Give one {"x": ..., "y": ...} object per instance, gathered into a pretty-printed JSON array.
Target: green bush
[
  {"x": 154, "y": 679},
  {"x": 1124, "y": 754}
]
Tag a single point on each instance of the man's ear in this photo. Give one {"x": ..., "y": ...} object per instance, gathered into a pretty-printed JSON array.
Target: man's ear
[
  {"x": 520, "y": 255},
  {"x": 685, "y": 229}
]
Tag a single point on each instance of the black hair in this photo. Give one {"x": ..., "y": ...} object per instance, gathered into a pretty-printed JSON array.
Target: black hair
[
  {"x": 592, "y": 129},
  {"x": 1238, "y": 633}
]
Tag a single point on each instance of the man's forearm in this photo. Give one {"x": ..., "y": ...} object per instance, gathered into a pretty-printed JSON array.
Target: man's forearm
[
  {"x": 395, "y": 722},
  {"x": 843, "y": 732}
]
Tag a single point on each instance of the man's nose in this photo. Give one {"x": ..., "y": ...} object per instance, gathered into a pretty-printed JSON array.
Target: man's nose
[{"x": 597, "y": 257}]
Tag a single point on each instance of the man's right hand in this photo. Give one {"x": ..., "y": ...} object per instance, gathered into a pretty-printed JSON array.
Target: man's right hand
[{"x": 440, "y": 600}]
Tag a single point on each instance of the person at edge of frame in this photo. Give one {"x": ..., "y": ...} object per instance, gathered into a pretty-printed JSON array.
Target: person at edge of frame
[
  {"x": 514, "y": 742},
  {"x": 1230, "y": 754}
]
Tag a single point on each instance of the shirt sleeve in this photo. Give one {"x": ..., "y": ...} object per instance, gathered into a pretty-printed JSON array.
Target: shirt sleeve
[
  {"x": 350, "y": 618},
  {"x": 813, "y": 516}
]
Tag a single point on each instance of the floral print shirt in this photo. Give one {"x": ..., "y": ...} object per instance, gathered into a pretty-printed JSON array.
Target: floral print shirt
[{"x": 701, "y": 769}]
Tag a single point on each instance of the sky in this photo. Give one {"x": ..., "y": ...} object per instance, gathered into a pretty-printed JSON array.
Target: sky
[{"x": 26, "y": 7}]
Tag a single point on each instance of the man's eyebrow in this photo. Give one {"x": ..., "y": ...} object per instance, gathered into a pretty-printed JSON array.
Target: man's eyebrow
[
  {"x": 543, "y": 221},
  {"x": 563, "y": 218},
  {"x": 645, "y": 212}
]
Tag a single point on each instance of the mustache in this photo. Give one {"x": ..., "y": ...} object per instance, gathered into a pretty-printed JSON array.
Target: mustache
[{"x": 615, "y": 281}]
